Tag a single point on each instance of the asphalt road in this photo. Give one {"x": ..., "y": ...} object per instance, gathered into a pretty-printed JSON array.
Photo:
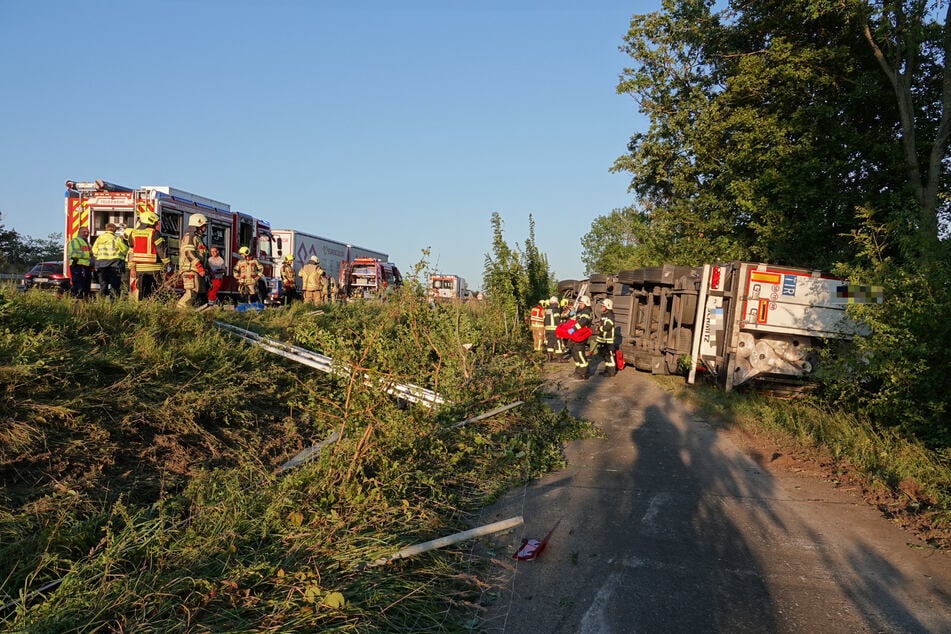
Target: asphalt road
[{"x": 666, "y": 525}]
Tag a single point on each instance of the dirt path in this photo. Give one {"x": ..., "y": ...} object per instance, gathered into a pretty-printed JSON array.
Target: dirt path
[{"x": 667, "y": 525}]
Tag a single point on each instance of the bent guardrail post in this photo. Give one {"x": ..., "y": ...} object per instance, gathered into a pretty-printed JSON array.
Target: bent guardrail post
[{"x": 406, "y": 391}]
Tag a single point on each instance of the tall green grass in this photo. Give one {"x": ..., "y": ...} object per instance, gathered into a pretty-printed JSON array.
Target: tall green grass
[{"x": 139, "y": 447}]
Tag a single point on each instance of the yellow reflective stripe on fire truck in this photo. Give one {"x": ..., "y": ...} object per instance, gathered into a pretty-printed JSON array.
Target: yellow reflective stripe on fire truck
[{"x": 78, "y": 216}]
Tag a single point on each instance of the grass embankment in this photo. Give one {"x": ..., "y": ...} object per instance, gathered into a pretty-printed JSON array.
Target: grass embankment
[
  {"x": 139, "y": 447},
  {"x": 908, "y": 481}
]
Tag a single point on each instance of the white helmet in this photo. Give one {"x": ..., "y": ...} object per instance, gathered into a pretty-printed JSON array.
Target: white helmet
[
  {"x": 608, "y": 304},
  {"x": 197, "y": 220},
  {"x": 584, "y": 299}
]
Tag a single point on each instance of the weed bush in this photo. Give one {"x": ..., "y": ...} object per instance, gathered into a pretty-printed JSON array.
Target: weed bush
[{"x": 140, "y": 446}]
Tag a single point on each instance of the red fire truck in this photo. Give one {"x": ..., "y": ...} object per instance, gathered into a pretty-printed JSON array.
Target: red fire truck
[
  {"x": 368, "y": 278},
  {"x": 97, "y": 203}
]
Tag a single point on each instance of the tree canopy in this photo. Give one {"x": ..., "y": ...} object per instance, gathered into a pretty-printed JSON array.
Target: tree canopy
[{"x": 773, "y": 123}]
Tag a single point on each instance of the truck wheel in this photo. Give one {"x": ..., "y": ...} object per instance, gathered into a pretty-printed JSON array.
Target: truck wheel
[{"x": 567, "y": 285}]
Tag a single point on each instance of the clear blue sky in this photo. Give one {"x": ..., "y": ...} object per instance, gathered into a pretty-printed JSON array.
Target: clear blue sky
[{"x": 393, "y": 125}]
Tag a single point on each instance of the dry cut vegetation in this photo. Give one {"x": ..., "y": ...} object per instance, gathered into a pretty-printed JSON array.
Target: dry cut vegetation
[{"x": 140, "y": 454}]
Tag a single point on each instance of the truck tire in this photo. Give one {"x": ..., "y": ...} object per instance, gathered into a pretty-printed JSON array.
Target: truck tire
[
  {"x": 567, "y": 285},
  {"x": 630, "y": 276}
]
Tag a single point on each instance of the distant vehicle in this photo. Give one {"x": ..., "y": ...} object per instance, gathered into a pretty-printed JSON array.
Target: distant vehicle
[
  {"x": 368, "y": 278},
  {"x": 446, "y": 288},
  {"x": 302, "y": 246},
  {"x": 47, "y": 276}
]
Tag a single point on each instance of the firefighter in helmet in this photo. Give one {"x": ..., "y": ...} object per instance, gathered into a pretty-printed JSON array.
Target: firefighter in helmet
[
  {"x": 248, "y": 272},
  {"x": 607, "y": 334},
  {"x": 579, "y": 343},
  {"x": 564, "y": 345},
  {"x": 289, "y": 280},
  {"x": 148, "y": 256},
  {"x": 552, "y": 319},
  {"x": 193, "y": 262},
  {"x": 537, "y": 324},
  {"x": 312, "y": 280}
]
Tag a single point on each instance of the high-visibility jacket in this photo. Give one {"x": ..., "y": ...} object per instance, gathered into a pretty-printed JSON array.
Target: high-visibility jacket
[
  {"x": 149, "y": 252},
  {"x": 606, "y": 333},
  {"x": 289, "y": 275},
  {"x": 248, "y": 271},
  {"x": 109, "y": 250},
  {"x": 538, "y": 315},
  {"x": 312, "y": 277},
  {"x": 194, "y": 253},
  {"x": 80, "y": 251},
  {"x": 552, "y": 318}
]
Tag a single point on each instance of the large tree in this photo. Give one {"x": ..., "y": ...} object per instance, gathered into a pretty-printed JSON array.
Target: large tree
[
  {"x": 513, "y": 278},
  {"x": 771, "y": 123}
]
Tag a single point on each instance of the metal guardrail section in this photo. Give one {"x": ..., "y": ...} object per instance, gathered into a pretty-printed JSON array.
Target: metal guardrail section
[{"x": 405, "y": 391}]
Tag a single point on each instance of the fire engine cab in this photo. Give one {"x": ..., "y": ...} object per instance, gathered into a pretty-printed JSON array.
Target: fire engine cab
[
  {"x": 368, "y": 278},
  {"x": 97, "y": 203}
]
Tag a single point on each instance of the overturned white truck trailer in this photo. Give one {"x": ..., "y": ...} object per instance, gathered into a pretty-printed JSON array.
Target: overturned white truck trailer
[{"x": 736, "y": 322}]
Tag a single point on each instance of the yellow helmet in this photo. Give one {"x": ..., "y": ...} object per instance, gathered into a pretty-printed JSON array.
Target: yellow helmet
[
  {"x": 288, "y": 258},
  {"x": 244, "y": 251},
  {"x": 148, "y": 218}
]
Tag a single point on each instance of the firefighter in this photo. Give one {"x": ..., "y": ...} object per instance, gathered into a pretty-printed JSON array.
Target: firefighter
[
  {"x": 552, "y": 319},
  {"x": 334, "y": 293},
  {"x": 537, "y": 322},
  {"x": 193, "y": 260},
  {"x": 80, "y": 264},
  {"x": 247, "y": 272},
  {"x": 564, "y": 345},
  {"x": 579, "y": 342},
  {"x": 607, "y": 334},
  {"x": 110, "y": 252},
  {"x": 312, "y": 276},
  {"x": 148, "y": 256},
  {"x": 289, "y": 280}
]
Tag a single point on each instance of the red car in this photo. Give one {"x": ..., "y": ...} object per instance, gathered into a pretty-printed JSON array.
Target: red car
[{"x": 47, "y": 276}]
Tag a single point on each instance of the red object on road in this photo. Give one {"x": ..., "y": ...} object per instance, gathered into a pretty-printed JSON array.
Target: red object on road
[{"x": 532, "y": 548}]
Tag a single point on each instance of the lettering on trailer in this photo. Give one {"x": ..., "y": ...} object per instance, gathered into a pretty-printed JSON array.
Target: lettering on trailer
[
  {"x": 789, "y": 285},
  {"x": 711, "y": 324}
]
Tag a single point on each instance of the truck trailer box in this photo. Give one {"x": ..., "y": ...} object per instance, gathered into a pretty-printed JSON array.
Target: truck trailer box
[{"x": 330, "y": 252}]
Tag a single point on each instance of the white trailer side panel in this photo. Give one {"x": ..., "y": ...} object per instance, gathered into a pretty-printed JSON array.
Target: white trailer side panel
[
  {"x": 793, "y": 302},
  {"x": 331, "y": 252}
]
